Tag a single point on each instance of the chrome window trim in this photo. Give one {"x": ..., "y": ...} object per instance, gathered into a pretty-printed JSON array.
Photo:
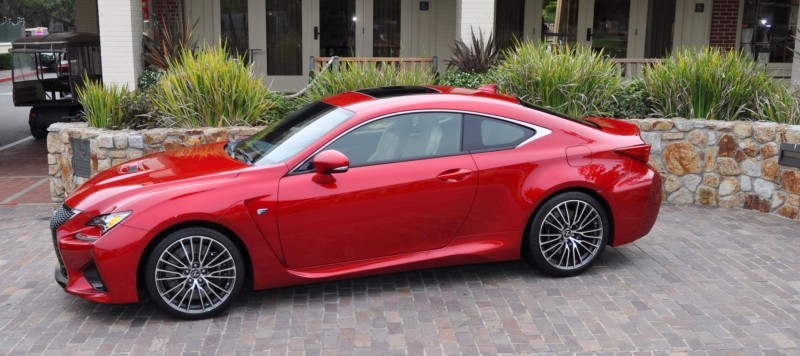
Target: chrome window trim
[{"x": 539, "y": 131}]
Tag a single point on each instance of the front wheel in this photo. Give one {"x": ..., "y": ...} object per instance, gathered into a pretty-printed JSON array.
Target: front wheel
[
  {"x": 194, "y": 273},
  {"x": 567, "y": 235}
]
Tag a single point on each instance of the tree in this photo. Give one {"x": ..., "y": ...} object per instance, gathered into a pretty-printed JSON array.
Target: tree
[{"x": 39, "y": 12}]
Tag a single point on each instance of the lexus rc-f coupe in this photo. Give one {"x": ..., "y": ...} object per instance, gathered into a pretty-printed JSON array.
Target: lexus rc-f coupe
[{"x": 373, "y": 181}]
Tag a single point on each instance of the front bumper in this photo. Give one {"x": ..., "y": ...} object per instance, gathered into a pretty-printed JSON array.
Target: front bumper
[{"x": 103, "y": 271}]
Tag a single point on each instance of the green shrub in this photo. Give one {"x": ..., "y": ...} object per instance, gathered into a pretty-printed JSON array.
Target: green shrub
[
  {"x": 149, "y": 78},
  {"x": 477, "y": 57},
  {"x": 782, "y": 105},
  {"x": 5, "y": 61},
  {"x": 575, "y": 81},
  {"x": 711, "y": 83},
  {"x": 631, "y": 101},
  {"x": 456, "y": 78},
  {"x": 102, "y": 105},
  {"x": 361, "y": 75},
  {"x": 208, "y": 88}
]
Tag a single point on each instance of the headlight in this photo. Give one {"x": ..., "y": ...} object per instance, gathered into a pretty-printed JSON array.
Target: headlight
[{"x": 108, "y": 221}]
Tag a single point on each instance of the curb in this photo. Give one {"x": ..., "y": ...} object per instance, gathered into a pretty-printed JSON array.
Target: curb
[{"x": 6, "y": 79}]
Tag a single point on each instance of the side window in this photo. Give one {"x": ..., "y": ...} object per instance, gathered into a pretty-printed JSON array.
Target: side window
[
  {"x": 402, "y": 138},
  {"x": 485, "y": 133}
]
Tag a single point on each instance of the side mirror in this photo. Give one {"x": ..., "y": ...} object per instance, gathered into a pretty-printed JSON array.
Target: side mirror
[{"x": 331, "y": 161}]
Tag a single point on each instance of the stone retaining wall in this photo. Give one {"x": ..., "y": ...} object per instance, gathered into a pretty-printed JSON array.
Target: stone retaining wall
[
  {"x": 715, "y": 163},
  {"x": 109, "y": 148},
  {"x": 725, "y": 164}
]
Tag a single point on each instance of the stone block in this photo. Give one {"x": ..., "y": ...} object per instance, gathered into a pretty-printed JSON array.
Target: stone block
[
  {"x": 135, "y": 141},
  {"x": 117, "y": 154},
  {"x": 727, "y": 166},
  {"x": 729, "y": 186},
  {"x": 706, "y": 196},
  {"x": 745, "y": 184},
  {"x": 683, "y": 125},
  {"x": 654, "y": 140},
  {"x": 672, "y": 183},
  {"x": 682, "y": 196},
  {"x": 770, "y": 149},
  {"x": 727, "y": 146},
  {"x": 792, "y": 134},
  {"x": 681, "y": 158},
  {"x": 711, "y": 180},
  {"x": 754, "y": 202},
  {"x": 764, "y": 132},
  {"x": 791, "y": 181},
  {"x": 662, "y": 124},
  {"x": 105, "y": 141},
  {"x": 698, "y": 138},
  {"x": 710, "y": 159},
  {"x": 743, "y": 129},
  {"x": 749, "y": 147},
  {"x": 120, "y": 142},
  {"x": 154, "y": 136},
  {"x": 790, "y": 212},
  {"x": 691, "y": 181},
  {"x": 764, "y": 188},
  {"x": 750, "y": 167},
  {"x": 672, "y": 136},
  {"x": 721, "y": 126},
  {"x": 770, "y": 169}
]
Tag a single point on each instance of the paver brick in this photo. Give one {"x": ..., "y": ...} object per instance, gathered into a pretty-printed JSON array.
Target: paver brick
[{"x": 705, "y": 281}]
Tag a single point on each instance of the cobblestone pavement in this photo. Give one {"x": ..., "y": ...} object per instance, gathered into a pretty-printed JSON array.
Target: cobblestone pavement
[
  {"x": 710, "y": 280},
  {"x": 23, "y": 173}
]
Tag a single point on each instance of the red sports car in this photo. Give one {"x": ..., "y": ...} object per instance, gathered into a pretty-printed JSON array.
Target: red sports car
[{"x": 374, "y": 181}]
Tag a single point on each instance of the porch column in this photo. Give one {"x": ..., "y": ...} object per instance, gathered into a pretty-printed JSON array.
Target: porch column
[
  {"x": 474, "y": 15},
  {"x": 795, "y": 81},
  {"x": 121, "y": 27}
]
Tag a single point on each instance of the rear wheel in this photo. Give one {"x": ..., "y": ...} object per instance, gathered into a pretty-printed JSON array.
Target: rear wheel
[
  {"x": 194, "y": 273},
  {"x": 567, "y": 235},
  {"x": 38, "y": 133}
]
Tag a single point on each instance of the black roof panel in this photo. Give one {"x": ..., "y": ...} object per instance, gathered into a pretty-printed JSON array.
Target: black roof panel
[{"x": 387, "y": 92}]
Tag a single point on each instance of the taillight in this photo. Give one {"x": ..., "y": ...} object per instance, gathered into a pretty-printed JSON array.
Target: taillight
[{"x": 639, "y": 153}]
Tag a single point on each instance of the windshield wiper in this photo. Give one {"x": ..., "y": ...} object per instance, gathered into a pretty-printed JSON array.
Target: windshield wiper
[{"x": 235, "y": 149}]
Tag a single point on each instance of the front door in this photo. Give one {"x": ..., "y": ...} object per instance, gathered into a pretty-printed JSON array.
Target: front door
[
  {"x": 616, "y": 26},
  {"x": 409, "y": 188}
]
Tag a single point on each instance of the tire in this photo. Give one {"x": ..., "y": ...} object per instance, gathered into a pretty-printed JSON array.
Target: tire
[
  {"x": 194, "y": 273},
  {"x": 38, "y": 134},
  {"x": 567, "y": 235}
]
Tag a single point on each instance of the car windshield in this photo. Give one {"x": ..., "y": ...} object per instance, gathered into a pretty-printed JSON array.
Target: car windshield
[{"x": 291, "y": 135}]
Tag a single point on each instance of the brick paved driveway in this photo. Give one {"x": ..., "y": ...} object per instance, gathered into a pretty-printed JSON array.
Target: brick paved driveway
[{"x": 705, "y": 279}]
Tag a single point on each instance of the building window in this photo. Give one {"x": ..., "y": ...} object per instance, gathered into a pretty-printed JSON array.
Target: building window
[
  {"x": 508, "y": 21},
  {"x": 234, "y": 26},
  {"x": 768, "y": 30}
]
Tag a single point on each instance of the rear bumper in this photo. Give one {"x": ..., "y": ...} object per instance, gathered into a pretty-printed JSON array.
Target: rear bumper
[{"x": 635, "y": 201}]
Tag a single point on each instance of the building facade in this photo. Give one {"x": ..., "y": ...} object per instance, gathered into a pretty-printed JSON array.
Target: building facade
[{"x": 280, "y": 36}]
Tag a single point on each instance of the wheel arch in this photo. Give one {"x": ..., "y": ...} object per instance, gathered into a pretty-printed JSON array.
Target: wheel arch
[
  {"x": 140, "y": 268},
  {"x": 590, "y": 192}
]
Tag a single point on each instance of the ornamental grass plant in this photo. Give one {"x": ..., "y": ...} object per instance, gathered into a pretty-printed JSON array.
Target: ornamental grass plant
[
  {"x": 211, "y": 89},
  {"x": 575, "y": 81},
  {"x": 103, "y": 106},
  {"x": 710, "y": 83},
  {"x": 361, "y": 75}
]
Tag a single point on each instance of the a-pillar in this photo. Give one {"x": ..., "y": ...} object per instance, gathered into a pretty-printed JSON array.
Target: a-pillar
[
  {"x": 474, "y": 15},
  {"x": 121, "y": 41}
]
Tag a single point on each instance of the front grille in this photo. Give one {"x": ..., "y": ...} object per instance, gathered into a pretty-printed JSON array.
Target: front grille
[{"x": 60, "y": 216}]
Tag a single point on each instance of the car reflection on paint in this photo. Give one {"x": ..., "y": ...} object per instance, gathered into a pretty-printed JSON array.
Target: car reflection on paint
[{"x": 375, "y": 181}]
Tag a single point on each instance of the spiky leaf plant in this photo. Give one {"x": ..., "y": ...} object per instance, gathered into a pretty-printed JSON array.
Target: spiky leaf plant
[
  {"x": 477, "y": 56},
  {"x": 575, "y": 81},
  {"x": 361, "y": 75}
]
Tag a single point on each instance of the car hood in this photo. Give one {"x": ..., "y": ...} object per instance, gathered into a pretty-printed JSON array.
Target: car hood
[{"x": 159, "y": 171}]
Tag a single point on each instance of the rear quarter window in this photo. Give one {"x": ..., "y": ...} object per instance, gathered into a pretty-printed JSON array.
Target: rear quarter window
[{"x": 485, "y": 133}]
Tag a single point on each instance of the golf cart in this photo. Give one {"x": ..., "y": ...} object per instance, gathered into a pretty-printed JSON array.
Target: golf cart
[{"x": 47, "y": 70}]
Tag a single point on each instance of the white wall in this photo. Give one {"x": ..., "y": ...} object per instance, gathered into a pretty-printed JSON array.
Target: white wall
[
  {"x": 474, "y": 15},
  {"x": 121, "y": 26}
]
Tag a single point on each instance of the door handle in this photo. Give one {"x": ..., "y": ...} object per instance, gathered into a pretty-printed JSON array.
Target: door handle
[
  {"x": 454, "y": 175},
  {"x": 588, "y": 34},
  {"x": 316, "y": 32}
]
